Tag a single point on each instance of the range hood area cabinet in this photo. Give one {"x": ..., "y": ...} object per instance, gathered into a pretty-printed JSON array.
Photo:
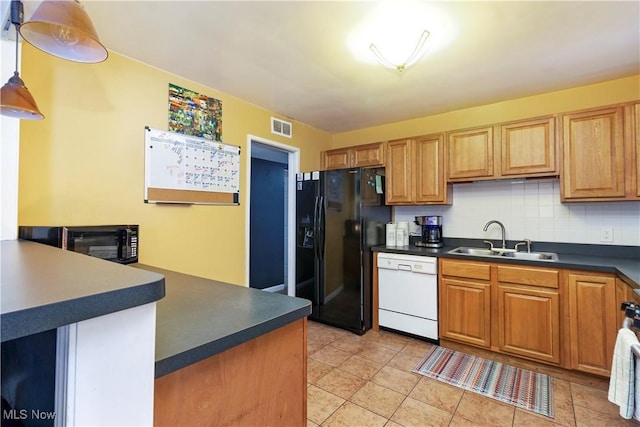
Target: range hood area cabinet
[
  {"x": 521, "y": 149},
  {"x": 601, "y": 154},
  {"x": 368, "y": 155},
  {"x": 415, "y": 171}
]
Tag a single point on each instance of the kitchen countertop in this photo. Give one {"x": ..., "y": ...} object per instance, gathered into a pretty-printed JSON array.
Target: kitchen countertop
[
  {"x": 623, "y": 261},
  {"x": 43, "y": 288},
  {"x": 199, "y": 317}
]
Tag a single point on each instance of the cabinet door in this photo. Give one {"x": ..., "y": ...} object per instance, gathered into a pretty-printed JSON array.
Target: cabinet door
[
  {"x": 429, "y": 180},
  {"x": 398, "y": 172},
  {"x": 529, "y": 322},
  {"x": 368, "y": 155},
  {"x": 593, "y": 156},
  {"x": 592, "y": 321},
  {"x": 337, "y": 159},
  {"x": 470, "y": 154},
  {"x": 465, "y": 313},
  {"x": 623, "y": 294},
  {"x": 529, "y": 148}
]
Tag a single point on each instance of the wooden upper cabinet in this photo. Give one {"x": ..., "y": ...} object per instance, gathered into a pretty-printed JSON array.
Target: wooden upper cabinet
[
  {"x": 593, "y": 154},
  {"x": 337, "y": 159},
  {"x": 429, "y": 180},
  {"x": 398, "y": 172},
  {"x": 529, "y": 148},
  {"x": 470, "y": 154},
  {"x": 368, "y": 155},
  {"x": 415, "y": 171},
  {"x": 354, "y": 157},
  {"x": 526, "y": 148}
]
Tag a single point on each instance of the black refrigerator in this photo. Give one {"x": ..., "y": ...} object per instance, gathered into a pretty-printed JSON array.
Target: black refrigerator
[{"x": 340, "y": 215}]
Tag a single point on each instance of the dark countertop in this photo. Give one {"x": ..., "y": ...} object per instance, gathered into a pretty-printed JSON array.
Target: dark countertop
[
  {"x": 43, "y": 287},
  {"x": 623, "y": 261},
  {"x": 199, "y": 317}
]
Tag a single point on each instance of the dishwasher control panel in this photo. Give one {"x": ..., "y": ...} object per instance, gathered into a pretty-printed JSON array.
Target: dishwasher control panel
[{"x": 413, "y": 263}]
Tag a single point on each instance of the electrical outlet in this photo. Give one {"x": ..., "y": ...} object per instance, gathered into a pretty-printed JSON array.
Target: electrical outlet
[{"x": 606, "y": 234}]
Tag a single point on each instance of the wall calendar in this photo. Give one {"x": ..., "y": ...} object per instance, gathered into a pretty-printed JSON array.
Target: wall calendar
[{"x": 188, "y": 169}]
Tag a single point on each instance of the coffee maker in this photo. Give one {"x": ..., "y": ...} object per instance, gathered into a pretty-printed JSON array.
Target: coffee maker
[{"x": 431, "y": 231}]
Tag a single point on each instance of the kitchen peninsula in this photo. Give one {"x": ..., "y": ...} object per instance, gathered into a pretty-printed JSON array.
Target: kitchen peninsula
[
  {"x": 162, "y": 347},
  {"x": 228, "y": 355},
  {"x": 77, "y": 337}
]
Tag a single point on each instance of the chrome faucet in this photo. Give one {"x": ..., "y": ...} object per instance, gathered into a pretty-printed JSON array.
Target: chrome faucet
[
  {"x": 493, "y": 221},
  {"x": 524, "y": 242}
]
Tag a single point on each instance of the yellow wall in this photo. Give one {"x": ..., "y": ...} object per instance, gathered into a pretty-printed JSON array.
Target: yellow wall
[
  {"x": 84, "y": 164},
  {"x": 610, "y": 92}
]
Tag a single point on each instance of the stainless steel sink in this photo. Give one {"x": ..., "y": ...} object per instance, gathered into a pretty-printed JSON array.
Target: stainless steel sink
[
  {"x": 463, "y": 250},
  {"x": 537, "y": 256},
  {"x": 483, "y": 252}
]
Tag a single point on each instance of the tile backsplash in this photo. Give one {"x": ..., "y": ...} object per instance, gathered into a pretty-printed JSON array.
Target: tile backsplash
[{"x": 530, "y": 209}]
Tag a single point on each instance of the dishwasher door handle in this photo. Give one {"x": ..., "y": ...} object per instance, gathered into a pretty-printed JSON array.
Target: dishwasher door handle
[{"x": 405, "y": 267}]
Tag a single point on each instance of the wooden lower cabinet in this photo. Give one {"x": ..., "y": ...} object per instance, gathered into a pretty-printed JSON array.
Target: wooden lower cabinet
[
  {"x": 624, "y": 293},
  {"x": 259, "y": 383},
  {"x": 528, "y": 322},
  {"x": 465, "y": 313},
  {"x": 512, "y": 309},
  {"x": 592, "y": 321}
]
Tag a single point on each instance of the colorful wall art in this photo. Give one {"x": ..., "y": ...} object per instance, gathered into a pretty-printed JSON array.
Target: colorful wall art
[{"x": 191, "y": 113}]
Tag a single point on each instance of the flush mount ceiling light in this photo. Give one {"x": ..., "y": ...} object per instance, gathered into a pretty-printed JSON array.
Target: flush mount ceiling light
[
  {"x": 15, "y": 99},
  {"x": 397, "y": 34},
  {"x": 63, "y": 29},
  {"x": 417, "y": 52}
]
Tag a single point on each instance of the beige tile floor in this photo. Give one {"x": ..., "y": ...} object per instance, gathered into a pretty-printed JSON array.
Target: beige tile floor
[{"x": 367, "y": 381}]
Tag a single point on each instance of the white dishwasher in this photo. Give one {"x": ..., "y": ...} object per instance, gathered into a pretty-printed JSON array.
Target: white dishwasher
[{"x": 408, "y": 294}]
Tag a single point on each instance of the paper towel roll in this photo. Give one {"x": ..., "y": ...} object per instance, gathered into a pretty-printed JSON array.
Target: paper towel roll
[
  {"x": 404, "y": 226},
  {"x": 391, "y": 234}
]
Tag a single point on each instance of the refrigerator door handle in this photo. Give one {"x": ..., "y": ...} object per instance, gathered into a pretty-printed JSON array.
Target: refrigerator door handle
[
  {"x": 321, "y": 229},
  {"x": 316, "y": 227}
]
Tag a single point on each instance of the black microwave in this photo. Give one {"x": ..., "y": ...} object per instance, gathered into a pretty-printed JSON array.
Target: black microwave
[{"x": 117, "y": 243}]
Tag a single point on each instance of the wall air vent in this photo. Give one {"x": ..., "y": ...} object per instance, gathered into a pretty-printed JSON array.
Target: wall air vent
[{"x": 280, "y": 127}]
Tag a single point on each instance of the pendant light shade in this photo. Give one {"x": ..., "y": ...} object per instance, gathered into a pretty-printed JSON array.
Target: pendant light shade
[
  {"x": 15, "y": 99},
  {"x": 63, "y": 29},
  {"x": 17, "y": 102}
]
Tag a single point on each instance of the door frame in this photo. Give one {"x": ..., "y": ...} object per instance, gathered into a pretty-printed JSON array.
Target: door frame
[{"x": 293, "y": 160}]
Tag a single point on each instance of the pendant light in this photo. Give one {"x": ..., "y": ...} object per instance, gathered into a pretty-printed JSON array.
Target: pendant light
[
  {"x": 15, "y": 99},
  {"x": 63, "y": 29}
]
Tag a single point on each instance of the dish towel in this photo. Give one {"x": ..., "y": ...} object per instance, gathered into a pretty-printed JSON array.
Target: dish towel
[{"x": 622, "y": 384}]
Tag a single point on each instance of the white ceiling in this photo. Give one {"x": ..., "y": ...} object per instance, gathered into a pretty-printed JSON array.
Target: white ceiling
[{"x": 292, "y": 57}]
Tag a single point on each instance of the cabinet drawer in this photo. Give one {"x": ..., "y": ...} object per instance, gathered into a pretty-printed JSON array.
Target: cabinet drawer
[
  {"x": 469, "y": 270},
  {"x": 547, "y": 278}
]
